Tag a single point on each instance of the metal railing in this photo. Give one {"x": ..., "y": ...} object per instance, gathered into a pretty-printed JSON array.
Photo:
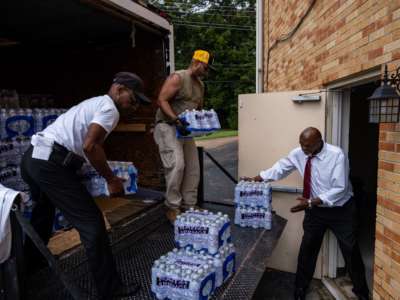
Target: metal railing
[{"x": 200, "y": 195}]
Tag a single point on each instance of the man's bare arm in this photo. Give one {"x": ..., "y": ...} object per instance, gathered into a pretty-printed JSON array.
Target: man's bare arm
[{"x": 168, "y": 92}]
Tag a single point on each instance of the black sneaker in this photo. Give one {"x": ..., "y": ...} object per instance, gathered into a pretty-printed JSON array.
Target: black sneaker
[{"x": 124, "y": 291}]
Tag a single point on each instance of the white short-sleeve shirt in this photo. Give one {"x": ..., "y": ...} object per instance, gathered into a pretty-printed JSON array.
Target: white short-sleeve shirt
[{"x": 70, "y": 128}]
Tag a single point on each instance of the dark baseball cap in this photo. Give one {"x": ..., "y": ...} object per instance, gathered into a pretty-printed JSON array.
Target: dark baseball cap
[{"x": 134, "y": 83}]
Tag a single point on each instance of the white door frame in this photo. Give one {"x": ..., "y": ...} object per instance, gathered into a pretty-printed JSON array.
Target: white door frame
[{"x": 338, "y": 115}]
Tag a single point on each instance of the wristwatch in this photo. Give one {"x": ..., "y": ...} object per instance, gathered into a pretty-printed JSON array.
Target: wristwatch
[{"x": 309, "y": 201}]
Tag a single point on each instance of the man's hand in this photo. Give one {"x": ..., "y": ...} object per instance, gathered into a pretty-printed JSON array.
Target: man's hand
[
  {"x": 116, "y": 186},
  {"x": 301, "y": 206},
  {"x": 256, "y": 178},
  {"x": 304, "y": 204},
  {"x": 181, "y": 127}
]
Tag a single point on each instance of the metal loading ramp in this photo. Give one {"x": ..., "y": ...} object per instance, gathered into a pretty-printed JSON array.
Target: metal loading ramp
[{"x": 140, "y": 241}]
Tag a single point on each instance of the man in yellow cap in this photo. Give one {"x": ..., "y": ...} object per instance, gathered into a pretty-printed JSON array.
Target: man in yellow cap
[{"x": 181, "y": 91}]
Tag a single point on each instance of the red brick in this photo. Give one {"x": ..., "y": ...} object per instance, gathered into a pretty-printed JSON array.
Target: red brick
[
  {"x": 387, "y": 126},
  {"x": 386, "y": 166},
  {"x": 397, "y": 147},
  {"x": 387, "y": 146},
  {"x": 396, "y": 55},
  {"x": 389, "y": 205},
  {"x": 382, "y": 136},
  {"x": 383, "y": 21},
  {"x": 332, "y": 9},
  {"x": 375, "y": 53},
  {"x": 391, "y": 235},
  {"x": 395, "y": 256},
  {"x": 369, "y": 29},
  {"x": 340, "y": 23}
]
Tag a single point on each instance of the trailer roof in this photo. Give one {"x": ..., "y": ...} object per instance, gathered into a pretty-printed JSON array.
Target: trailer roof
[{"x": 69, "y": 21}]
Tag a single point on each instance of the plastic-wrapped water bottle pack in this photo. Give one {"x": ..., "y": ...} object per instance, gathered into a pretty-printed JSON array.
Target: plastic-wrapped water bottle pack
[
  {"x": 246, "y": 216},
  {"x": 11, "y": 152},
  {"x": 202, "y": 230},
  {"x": 26, "y": 121},
  {"x": 97, "y": 185},
  {"x": 191, "y": 275},
  {"x": 253, "y": 204},
  {"x": 258, "y": 194},
  {"x": 201, "y": 122}
]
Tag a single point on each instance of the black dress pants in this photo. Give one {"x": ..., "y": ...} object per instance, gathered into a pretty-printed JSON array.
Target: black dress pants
[
  {"x": 342, "y": 221},
  {"x": 53, "y": 185}
]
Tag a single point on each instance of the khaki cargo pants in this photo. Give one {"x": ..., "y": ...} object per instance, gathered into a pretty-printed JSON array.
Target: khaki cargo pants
[{"x": 181, "y": 164}]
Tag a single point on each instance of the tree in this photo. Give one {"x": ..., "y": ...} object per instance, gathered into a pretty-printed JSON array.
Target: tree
[{"x": 227, "y": 29}]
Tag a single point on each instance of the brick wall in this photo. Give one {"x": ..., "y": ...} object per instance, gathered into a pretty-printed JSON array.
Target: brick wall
[
  {"x": 337, "y": 39},
  {"x": 387, "y": 243},
  {"x": 340, "y": 39}
]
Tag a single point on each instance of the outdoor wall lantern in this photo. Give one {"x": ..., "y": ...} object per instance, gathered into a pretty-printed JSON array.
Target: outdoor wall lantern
[{"x": 384, "y": 102}]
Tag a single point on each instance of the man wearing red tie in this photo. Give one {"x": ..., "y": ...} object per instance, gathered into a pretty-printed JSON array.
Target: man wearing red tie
[{"x": 328, "y": 203}]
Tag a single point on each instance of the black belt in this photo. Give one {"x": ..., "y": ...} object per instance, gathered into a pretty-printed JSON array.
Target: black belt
[{"x": 66, "y": 158}]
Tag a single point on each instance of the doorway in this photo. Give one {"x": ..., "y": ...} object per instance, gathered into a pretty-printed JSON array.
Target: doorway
[{"x": 363, "y": 157}]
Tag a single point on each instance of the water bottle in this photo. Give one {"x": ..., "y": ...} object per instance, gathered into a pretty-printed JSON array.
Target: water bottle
[
  {"x": 268, "y": 220},
  {"x": 238, "y": 216},
  {"x": 215, "y": 124},
  {"x": 187, "y": 117},
  {"x": 238, "y": 189},
  {"x": 38, "y": 117},
  {"x": 202, "y": 123},
  {"x": 207, "y": 121},
  {"x": 3, "y": 118},
  {"x": 247, "y": 194}
]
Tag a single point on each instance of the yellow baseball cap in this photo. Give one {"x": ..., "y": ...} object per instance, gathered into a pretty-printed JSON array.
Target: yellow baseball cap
[{"x": 204, "y": 56}]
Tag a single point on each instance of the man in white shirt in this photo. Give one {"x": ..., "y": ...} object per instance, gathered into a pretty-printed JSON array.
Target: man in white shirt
[
  {"x": 50, "y": 168},
  {"x": 328, "y": 204}
]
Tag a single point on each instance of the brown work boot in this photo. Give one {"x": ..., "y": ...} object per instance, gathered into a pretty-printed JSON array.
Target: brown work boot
[{"x": 172, "y": 213}]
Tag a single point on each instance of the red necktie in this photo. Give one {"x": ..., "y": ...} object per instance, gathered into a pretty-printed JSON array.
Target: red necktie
[{"x": 307, "y": 179}]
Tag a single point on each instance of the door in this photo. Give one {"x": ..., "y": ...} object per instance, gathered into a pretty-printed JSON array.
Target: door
[{"x": 269, "y": 128}]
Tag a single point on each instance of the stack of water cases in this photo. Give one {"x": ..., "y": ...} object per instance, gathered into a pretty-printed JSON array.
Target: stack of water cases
[
  {"x": 24, "y": 122},
  {"x": 202, "y": 230},
  {"x": 205, "y": 259},
  {"x": 253, "y": 204},
  {"x": 17, "y": 125},
  {"x": 96, "y": 184},
  {"x": 201, "y": 122}
]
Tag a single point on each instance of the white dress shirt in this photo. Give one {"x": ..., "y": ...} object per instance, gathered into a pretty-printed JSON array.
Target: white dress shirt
[{"x": 329, "y": 173}]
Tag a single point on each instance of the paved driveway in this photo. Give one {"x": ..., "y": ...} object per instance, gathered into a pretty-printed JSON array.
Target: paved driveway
[{"x": 217, "y": 186}]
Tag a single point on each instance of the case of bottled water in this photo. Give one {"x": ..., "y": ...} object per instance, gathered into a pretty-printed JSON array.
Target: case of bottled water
[
  {"x": 258, "y": 194},
  {"x": 201, "y": 122},
  {"x": 96, "y": 184},
  {"x": 253, "y": 204},
  {"x": 25, "y": 121},
  {"x": 191, "y": 275},
  {"x": 256, "y": 217},
  {"x": 202, "y": 230}
]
